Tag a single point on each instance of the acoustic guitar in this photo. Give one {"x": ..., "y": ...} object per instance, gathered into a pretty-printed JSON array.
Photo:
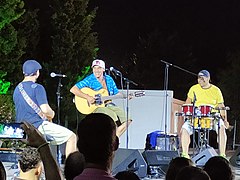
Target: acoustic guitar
[{"x": 101, "y": 98}]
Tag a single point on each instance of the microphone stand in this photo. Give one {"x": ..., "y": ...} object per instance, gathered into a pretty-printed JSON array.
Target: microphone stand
[
  {"x": 127, "y": 81},
  {"x": 167, "y": 64},
  {"x": 166, "y": 99},
  {"x": 127, "y": 108},
  {"x": 58, "y": 93}
]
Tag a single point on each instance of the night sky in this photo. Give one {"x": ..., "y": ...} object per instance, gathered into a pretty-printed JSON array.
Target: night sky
[{"x": 210, "y": 28}]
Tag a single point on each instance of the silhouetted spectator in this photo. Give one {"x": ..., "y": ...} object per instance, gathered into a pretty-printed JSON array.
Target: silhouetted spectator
[
  {"x": 97, "y": 141},
  {"x": 30, "y": 164},
  {"x": 36, "y": 139},
  {"x": 192, "y": 173},
  {"x": 126, "y": 175},
  {"x": 3, "y": 174},
  {"x": 218, "y": 167},
  {"x": 74, "y": 165},
  {"x": 176, "y": 165}
]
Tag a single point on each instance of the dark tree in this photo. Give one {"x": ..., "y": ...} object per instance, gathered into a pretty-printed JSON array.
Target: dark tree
[{"x": 73, "y": 46}]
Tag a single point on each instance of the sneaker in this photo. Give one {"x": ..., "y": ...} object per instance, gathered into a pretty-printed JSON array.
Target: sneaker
[
  {"x": 185, "y": 155},
  {"x": 223, "y": 155}
]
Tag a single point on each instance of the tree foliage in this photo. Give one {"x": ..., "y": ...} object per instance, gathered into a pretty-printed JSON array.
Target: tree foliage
[
  {"x": 73, "y": 45},
  {"x": 18, "y": 37},
  {"x": 9, "y": 12},
  {"x": 230, "y": 83},
  {"x": 18, "y": 29},
  {"x": 146, "y": 67}
]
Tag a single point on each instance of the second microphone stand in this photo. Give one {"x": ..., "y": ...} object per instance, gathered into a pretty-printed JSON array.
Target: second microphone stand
[
  {"x": 127, "y": 81},
  {"x": 167, "y": 64},
  {"x": 59, "y": 97}
]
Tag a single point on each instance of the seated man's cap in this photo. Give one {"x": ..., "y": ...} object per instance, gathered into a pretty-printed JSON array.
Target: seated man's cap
[
  {"x": 98, "y": 62},
  {"x": 204, "y": 73},
  {"x": 30, "y": 67}
]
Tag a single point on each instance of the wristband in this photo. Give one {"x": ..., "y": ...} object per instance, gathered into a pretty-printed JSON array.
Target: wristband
[{"x": 42, "y": 145}]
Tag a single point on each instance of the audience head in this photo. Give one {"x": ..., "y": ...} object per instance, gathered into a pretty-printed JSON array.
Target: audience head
[
  {"x": 218, "y": 167},
  {"x": 30, "y": 163},
  {"x": 97, "y": 139},
  {"x": 176, "y": 165},
  {"x": 192, "y": 173},
  {"x": 3, "y": 174},
  {"x": 74, "y": 165},
  {"x": 129, "y": 175}
]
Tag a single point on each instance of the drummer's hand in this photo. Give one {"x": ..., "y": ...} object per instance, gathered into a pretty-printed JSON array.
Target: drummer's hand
[
  {"x": 34, "y": 137},
  {"x": 226, "y": 123}
]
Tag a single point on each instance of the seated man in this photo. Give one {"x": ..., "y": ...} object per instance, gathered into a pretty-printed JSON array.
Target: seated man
[
  {"x": 98, "y": 81},
  {"x": 31, "y": 105},
  {"x": 201, "y": 94}
]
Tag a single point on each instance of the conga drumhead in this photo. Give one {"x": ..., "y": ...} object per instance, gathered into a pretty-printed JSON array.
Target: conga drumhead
[
  {"x": 187, "y": 109},
  {"x": 205, "y": 110}
]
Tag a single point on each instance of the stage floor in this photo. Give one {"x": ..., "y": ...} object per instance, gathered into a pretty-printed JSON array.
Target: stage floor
[{"x": 11, "y": 171}]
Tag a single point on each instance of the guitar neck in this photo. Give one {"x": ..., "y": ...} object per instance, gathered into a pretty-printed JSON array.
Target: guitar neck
[{"x": 106, "y": 98}]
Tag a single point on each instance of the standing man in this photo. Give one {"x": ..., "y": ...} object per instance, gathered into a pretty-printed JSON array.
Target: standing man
[
  {"x": 31, "y": 105},
  {"x": 99, "y": 81},
  {"x": 205, "y": 93}
]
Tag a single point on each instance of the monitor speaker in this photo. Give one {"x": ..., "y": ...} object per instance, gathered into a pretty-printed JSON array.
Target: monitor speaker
[
  {"x": 235, "y": 159},
  {"x": 159, "y": 159},
  {"x": 202, "y": 157},
  {"x": 129, "y": 160}
]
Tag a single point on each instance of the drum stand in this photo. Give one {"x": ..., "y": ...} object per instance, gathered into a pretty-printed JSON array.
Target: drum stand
[
  {"x": 203, "y": 138},
  {"x": 194, "y": 115}
]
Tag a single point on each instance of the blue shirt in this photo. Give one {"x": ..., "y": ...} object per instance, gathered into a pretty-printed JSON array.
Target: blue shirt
[
  {"x": 92, "y": 82},
  {"x": 24, "y": 111}
]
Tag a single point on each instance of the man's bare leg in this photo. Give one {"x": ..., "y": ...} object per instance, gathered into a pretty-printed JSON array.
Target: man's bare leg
[
  {"x": 185, "y": 141},
  {"x": 71, "y": 145},
  {"x": 222, "y": 141},
  {"x": 122, "y": 128}
]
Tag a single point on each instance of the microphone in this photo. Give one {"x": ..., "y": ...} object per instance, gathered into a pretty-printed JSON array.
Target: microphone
[
  {"x": 57, "y": 75},
  {"x": 115, "y": 71}
]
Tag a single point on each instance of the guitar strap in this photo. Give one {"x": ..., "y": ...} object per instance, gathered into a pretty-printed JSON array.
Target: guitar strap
[{"x": 31, "y": 103}]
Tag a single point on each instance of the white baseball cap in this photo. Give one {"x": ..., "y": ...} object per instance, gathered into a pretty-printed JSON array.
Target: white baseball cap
[{"x": 98, "y": 62}]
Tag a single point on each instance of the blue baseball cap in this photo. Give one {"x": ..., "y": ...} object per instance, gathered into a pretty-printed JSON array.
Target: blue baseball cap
[
  {"x": 30, "y": 67},
  {"x": 204, "y": 73}
]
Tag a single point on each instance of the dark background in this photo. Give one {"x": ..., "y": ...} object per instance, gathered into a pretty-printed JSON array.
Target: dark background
[{"x": 210, "y": 29}]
